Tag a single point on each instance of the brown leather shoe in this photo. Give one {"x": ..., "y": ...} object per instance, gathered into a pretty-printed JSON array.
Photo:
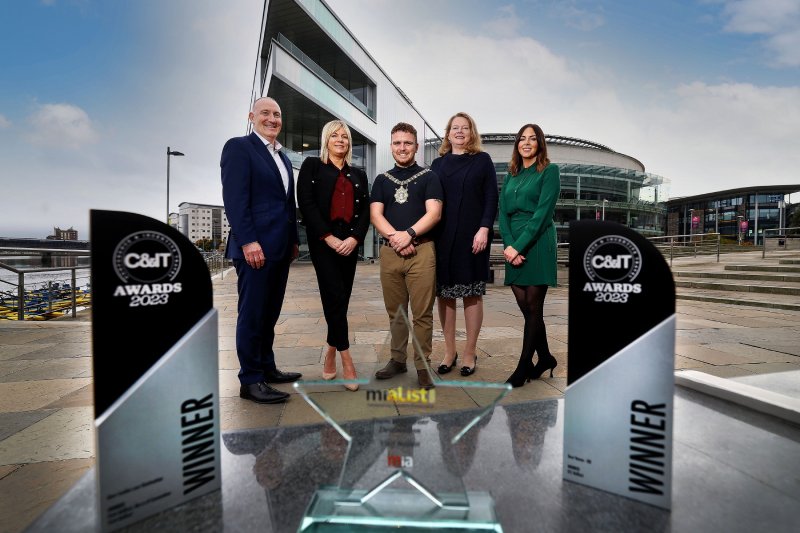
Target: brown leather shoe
[
  {"x": 391, "y": 369},
  {"x": 425, "y": 380}
]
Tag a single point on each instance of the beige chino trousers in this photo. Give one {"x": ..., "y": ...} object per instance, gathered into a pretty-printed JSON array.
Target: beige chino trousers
[{"x": 410, "y": 279}]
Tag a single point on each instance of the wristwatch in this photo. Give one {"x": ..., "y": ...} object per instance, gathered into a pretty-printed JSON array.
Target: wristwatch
[{"x": 411, "y": 232}]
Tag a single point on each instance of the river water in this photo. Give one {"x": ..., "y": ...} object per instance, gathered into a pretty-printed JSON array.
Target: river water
[{"x": 36, "y": 280}]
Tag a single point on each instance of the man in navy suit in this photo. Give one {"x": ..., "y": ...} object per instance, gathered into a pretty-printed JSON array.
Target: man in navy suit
[{"x": 258, "y": 192}]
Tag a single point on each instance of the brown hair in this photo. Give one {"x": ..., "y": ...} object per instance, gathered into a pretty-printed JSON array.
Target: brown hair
[
  {"x": 406, "y": 127},
  {"x": 515, "y": 165},
  {"x": 474, "y": 145}
]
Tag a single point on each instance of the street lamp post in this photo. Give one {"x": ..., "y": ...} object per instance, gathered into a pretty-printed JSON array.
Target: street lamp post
[
  {"x": 604, "y": 208},
  {"x": 169, "y": 153}
]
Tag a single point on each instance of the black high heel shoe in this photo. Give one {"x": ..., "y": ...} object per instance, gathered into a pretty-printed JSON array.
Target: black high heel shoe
[
  {"x": 543, "y": 365},
  {"x": 467, "y": 371},
  {"x": 444, "y": 369},
  {"x": 519, "y": 377},
  {"x": 521, "y": 374}
]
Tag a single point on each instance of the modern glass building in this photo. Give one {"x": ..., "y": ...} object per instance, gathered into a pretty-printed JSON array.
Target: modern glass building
[
  {"x": 317, "y": 71},
  {"x": 737, "y": 214},
  {"x": 596, "y": 183}
]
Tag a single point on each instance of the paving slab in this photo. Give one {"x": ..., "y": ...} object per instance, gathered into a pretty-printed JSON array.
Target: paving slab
[
  {"x": 31, "y": 395},
  {"x": 17, "y": 351},
  {"x": 65, "y": 434},
  {"x": 59, "y": 351},
  {"x": 29, "y": 490},
  {"x": 83, "y": 397},
  {"x": 37, "y": 369},
  {"x": 12, "y": 423}
]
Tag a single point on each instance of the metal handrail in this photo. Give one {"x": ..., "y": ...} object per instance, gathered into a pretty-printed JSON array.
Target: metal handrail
[
  {"x": 696, "y": 242},
  {"x": 217, "y": 263},
  {"x": 22, "y": 308},
  {"x": 781, "y": 234}
]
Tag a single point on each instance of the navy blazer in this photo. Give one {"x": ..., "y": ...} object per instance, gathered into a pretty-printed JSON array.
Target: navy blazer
[{"x": 256, "y": 204}]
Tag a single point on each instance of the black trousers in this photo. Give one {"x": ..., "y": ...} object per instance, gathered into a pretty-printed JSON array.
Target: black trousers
[{"x": 335, "y": 274}]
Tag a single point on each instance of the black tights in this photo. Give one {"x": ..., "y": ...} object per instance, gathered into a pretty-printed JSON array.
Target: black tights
[{"x": 530, "y": 300}]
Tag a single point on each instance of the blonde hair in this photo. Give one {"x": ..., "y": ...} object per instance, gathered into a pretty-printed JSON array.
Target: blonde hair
[
  {"x": 474, "y": 144},
  {"x": 327, "y": 132}
]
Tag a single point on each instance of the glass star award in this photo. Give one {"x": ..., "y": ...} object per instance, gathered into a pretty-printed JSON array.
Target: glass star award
[{"x": 405, "y": 453}]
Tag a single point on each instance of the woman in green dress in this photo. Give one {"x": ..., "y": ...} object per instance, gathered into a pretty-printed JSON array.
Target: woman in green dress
[{"x": 527, "y": 203}]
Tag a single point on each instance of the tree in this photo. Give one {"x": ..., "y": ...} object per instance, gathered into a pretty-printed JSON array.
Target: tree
[{"x": 204, "y": 244}]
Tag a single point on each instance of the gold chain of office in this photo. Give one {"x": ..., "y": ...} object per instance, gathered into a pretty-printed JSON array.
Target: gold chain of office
[{"x": 401, "y": 194}]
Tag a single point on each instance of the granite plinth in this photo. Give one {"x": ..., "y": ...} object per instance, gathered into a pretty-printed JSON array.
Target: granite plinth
[{"x": 734, "y": 469}]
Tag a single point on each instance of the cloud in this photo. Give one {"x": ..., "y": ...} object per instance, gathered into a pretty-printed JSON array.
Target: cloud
[
  {"x": 525, "y": 78},
  {"x": 777, "y": 20},
  {"x": 4, "y": 122},
  {"x": 507, "y": 22},
  {"x": 578, "y": 18},
  {"x": 61, "y": 125},
  {"x": 706, "y": 135},
  {"x": 192, "y": 99}
]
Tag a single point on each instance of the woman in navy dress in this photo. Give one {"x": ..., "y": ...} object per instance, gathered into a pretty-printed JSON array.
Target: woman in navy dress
[{"x": 464, "y": 235}]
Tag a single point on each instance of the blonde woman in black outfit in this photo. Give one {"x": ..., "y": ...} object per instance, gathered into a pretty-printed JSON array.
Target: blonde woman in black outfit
[{"x": 333, "y": 198}]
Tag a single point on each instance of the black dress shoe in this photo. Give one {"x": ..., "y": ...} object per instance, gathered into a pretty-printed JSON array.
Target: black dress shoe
[
  {"x": 444, "y": 369},
  {"x": 276, "y": 376},
  {"x": 262, "y": 393},
  {"x": 467, "y": 371}
]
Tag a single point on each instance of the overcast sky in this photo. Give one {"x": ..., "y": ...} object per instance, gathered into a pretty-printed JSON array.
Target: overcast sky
[{"x": 703, "y": 92}]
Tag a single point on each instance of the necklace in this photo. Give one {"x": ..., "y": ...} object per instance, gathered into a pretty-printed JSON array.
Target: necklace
[{"x": 401, "y": 194}]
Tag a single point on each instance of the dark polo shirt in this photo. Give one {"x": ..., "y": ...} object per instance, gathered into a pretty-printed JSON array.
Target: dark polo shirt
[{"x": 425, "y": 187}]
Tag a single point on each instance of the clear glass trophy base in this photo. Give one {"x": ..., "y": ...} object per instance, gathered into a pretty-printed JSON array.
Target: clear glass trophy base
[{"x": 334, "y": 509}]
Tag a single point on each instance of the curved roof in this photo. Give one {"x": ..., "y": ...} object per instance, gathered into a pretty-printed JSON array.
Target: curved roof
[
  {"x": 551, "y": 139},
  {"x": 753, "y": 189},
  {"x": 560, "y": 140}
]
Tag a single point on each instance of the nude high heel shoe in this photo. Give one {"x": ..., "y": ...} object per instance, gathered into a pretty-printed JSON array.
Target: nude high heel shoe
[
  {"x": 329, "y": 375},
  {"x": 349, "y": 371}
]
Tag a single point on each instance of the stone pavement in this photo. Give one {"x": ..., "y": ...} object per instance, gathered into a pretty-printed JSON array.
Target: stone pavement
[{"x": 46, "y": 415}]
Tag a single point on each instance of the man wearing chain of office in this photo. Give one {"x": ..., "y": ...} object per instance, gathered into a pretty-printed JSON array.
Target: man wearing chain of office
[{"x": 405, "y": 205}]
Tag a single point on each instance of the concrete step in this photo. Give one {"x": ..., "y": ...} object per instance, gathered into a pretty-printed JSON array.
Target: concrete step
[
  {"x": 742, "y": 275},
  {"x": 774, "y": 301},
  {"x": 753, "y": 286},
  {"x": 763, "y": 268},
  {"x": 740, "y": 279}
]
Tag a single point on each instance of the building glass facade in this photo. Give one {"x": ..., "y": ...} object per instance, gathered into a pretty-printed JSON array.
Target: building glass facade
[
  {"x": 738, "y": 215},
  {"x": 596, "y": 183},
  {"x": 311, "y": 64}
]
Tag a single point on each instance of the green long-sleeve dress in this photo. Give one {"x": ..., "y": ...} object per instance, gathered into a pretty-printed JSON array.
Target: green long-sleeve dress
[{"x": 527, "y": 203}]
